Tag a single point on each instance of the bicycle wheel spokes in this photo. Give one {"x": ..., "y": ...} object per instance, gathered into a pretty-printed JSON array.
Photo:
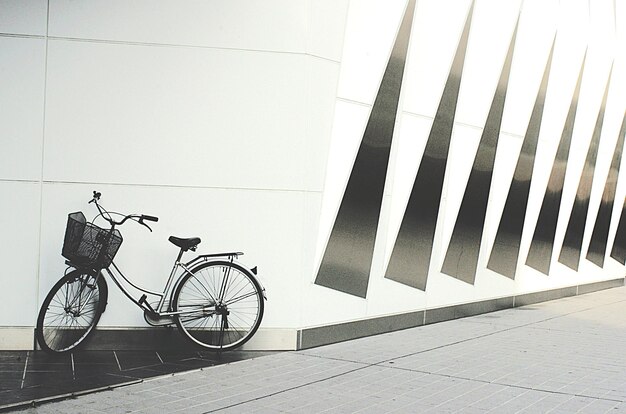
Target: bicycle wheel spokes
[
  {"x": 69, "y": 313},
  {"x": 221, "y": 305}
]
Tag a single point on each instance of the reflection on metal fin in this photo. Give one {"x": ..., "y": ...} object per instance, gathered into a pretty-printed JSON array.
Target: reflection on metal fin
[
  {"x": 505, "y": 251},
  {"x": 461, "y": 258},
  {"x": 410, "y": 258},
  {"x": 540, "y": 253},
  {"x": 572, "y": 244},
  {"x": 348, "y": 257},
  {"x": 618, "y": 252},
  {"x": 600, "y": 235}
]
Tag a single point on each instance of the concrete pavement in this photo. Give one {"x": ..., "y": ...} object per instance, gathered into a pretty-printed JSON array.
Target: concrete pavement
[{"x": 562, "y": 356}]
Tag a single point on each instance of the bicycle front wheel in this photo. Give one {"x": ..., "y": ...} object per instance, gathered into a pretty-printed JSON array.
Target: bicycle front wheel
[
  {"x": 71, "y": 311},
  {"x": 219, "y": 305}
]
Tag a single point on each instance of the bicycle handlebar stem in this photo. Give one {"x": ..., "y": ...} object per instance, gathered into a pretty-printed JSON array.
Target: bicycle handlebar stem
[{"x": 107, "y": 216}]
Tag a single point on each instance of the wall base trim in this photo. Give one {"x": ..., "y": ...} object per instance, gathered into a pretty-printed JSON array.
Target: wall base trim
[
  {"x": 17, "y": 338},
  {"x": 328, "y": 334},
  {"x": 168, "y": 338},
  {"x": 323, "y": 335}
]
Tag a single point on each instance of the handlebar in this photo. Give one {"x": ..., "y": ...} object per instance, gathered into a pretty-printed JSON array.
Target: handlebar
[{"x": 139, "y": 218}]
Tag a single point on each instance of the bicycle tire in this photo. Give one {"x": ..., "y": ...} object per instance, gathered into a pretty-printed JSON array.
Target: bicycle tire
[
  {"x": 70, "y": 311},
  {"x": 223, "y": 304}
]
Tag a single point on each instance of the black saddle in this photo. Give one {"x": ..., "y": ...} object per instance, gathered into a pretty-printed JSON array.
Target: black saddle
[{"x": 185, "y": 244}]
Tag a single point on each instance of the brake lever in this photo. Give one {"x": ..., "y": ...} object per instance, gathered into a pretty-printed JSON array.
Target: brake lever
[{"x": 140, "y": 221}]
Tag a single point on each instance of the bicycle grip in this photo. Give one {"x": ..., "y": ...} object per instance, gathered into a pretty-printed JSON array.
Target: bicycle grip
[{"x": 149, "y": 218}]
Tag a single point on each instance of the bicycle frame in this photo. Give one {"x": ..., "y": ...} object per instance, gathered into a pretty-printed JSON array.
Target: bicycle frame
[{"x": 162, "y": 310}]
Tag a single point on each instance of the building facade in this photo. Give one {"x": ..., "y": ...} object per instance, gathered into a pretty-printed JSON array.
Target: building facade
[{"x": 384, "y": 164}]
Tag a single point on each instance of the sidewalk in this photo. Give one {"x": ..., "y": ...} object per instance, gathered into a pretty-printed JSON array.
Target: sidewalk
[
  {"x": 34, "y": 377},
  {"x": 563, "y": 356}
]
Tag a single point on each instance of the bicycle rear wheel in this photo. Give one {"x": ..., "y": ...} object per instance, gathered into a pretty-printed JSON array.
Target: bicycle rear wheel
[
  {"x": 70, "y": 311},
  {"x": 220, "y": 305}
]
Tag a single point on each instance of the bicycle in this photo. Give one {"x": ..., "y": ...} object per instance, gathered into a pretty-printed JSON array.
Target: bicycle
[{"x": 215, "y": 301}]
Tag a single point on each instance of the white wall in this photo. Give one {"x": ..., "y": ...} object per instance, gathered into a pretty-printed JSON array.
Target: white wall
[
  {"x": 238, "y": 122},
  {"x": 213, "y": 116},
  {"x": 22, "y": 80}
]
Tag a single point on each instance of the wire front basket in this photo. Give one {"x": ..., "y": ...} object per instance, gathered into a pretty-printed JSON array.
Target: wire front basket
[{"x": 87, "y": 245}]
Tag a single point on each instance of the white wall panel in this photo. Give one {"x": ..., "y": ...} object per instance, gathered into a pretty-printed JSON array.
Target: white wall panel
[
  {"x": 174, "y": 116},
  {"x": 443, "y": 289},
  {"x": 490, "y": 36},
  {"x": 371, "y": 30},
  {"x": 24, "y": 17},
  {"x": 327, "y": 23},
  {"x": 574, "y": 21},
  {"x": 620, "y": 30},
  {"x": 349, "y": 124},
  {"x": 610, "y": 130},
  {"x": 575, "y": 32},
  {"x": 537, "y": 28},
  {"x": 381, "y": 289},
  {"x": 570, "y": 45},
  {"x": 592, "y": 89},
  {"x": 620, "y": 85},
  {"x": 603, "y": 39},
  {"x": 319, "y": 305},
  {"x": 22, "y": 68},
  {"x": 19, "y": 238},
  {"x": 463, "y": 147},
  {"x": 407, "y": 149},
  {"x": 436, "y": 32},
  {"x": 252, "y": 25},
  {"x": 530, "y": 280},
  {"x": 265, "y": 225},
  {"x": 509, "y": 147},
  {"x": 602, "y": 29},
  {"x": 321, "y": 87},
  {"x": 614, "y": 116}
]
